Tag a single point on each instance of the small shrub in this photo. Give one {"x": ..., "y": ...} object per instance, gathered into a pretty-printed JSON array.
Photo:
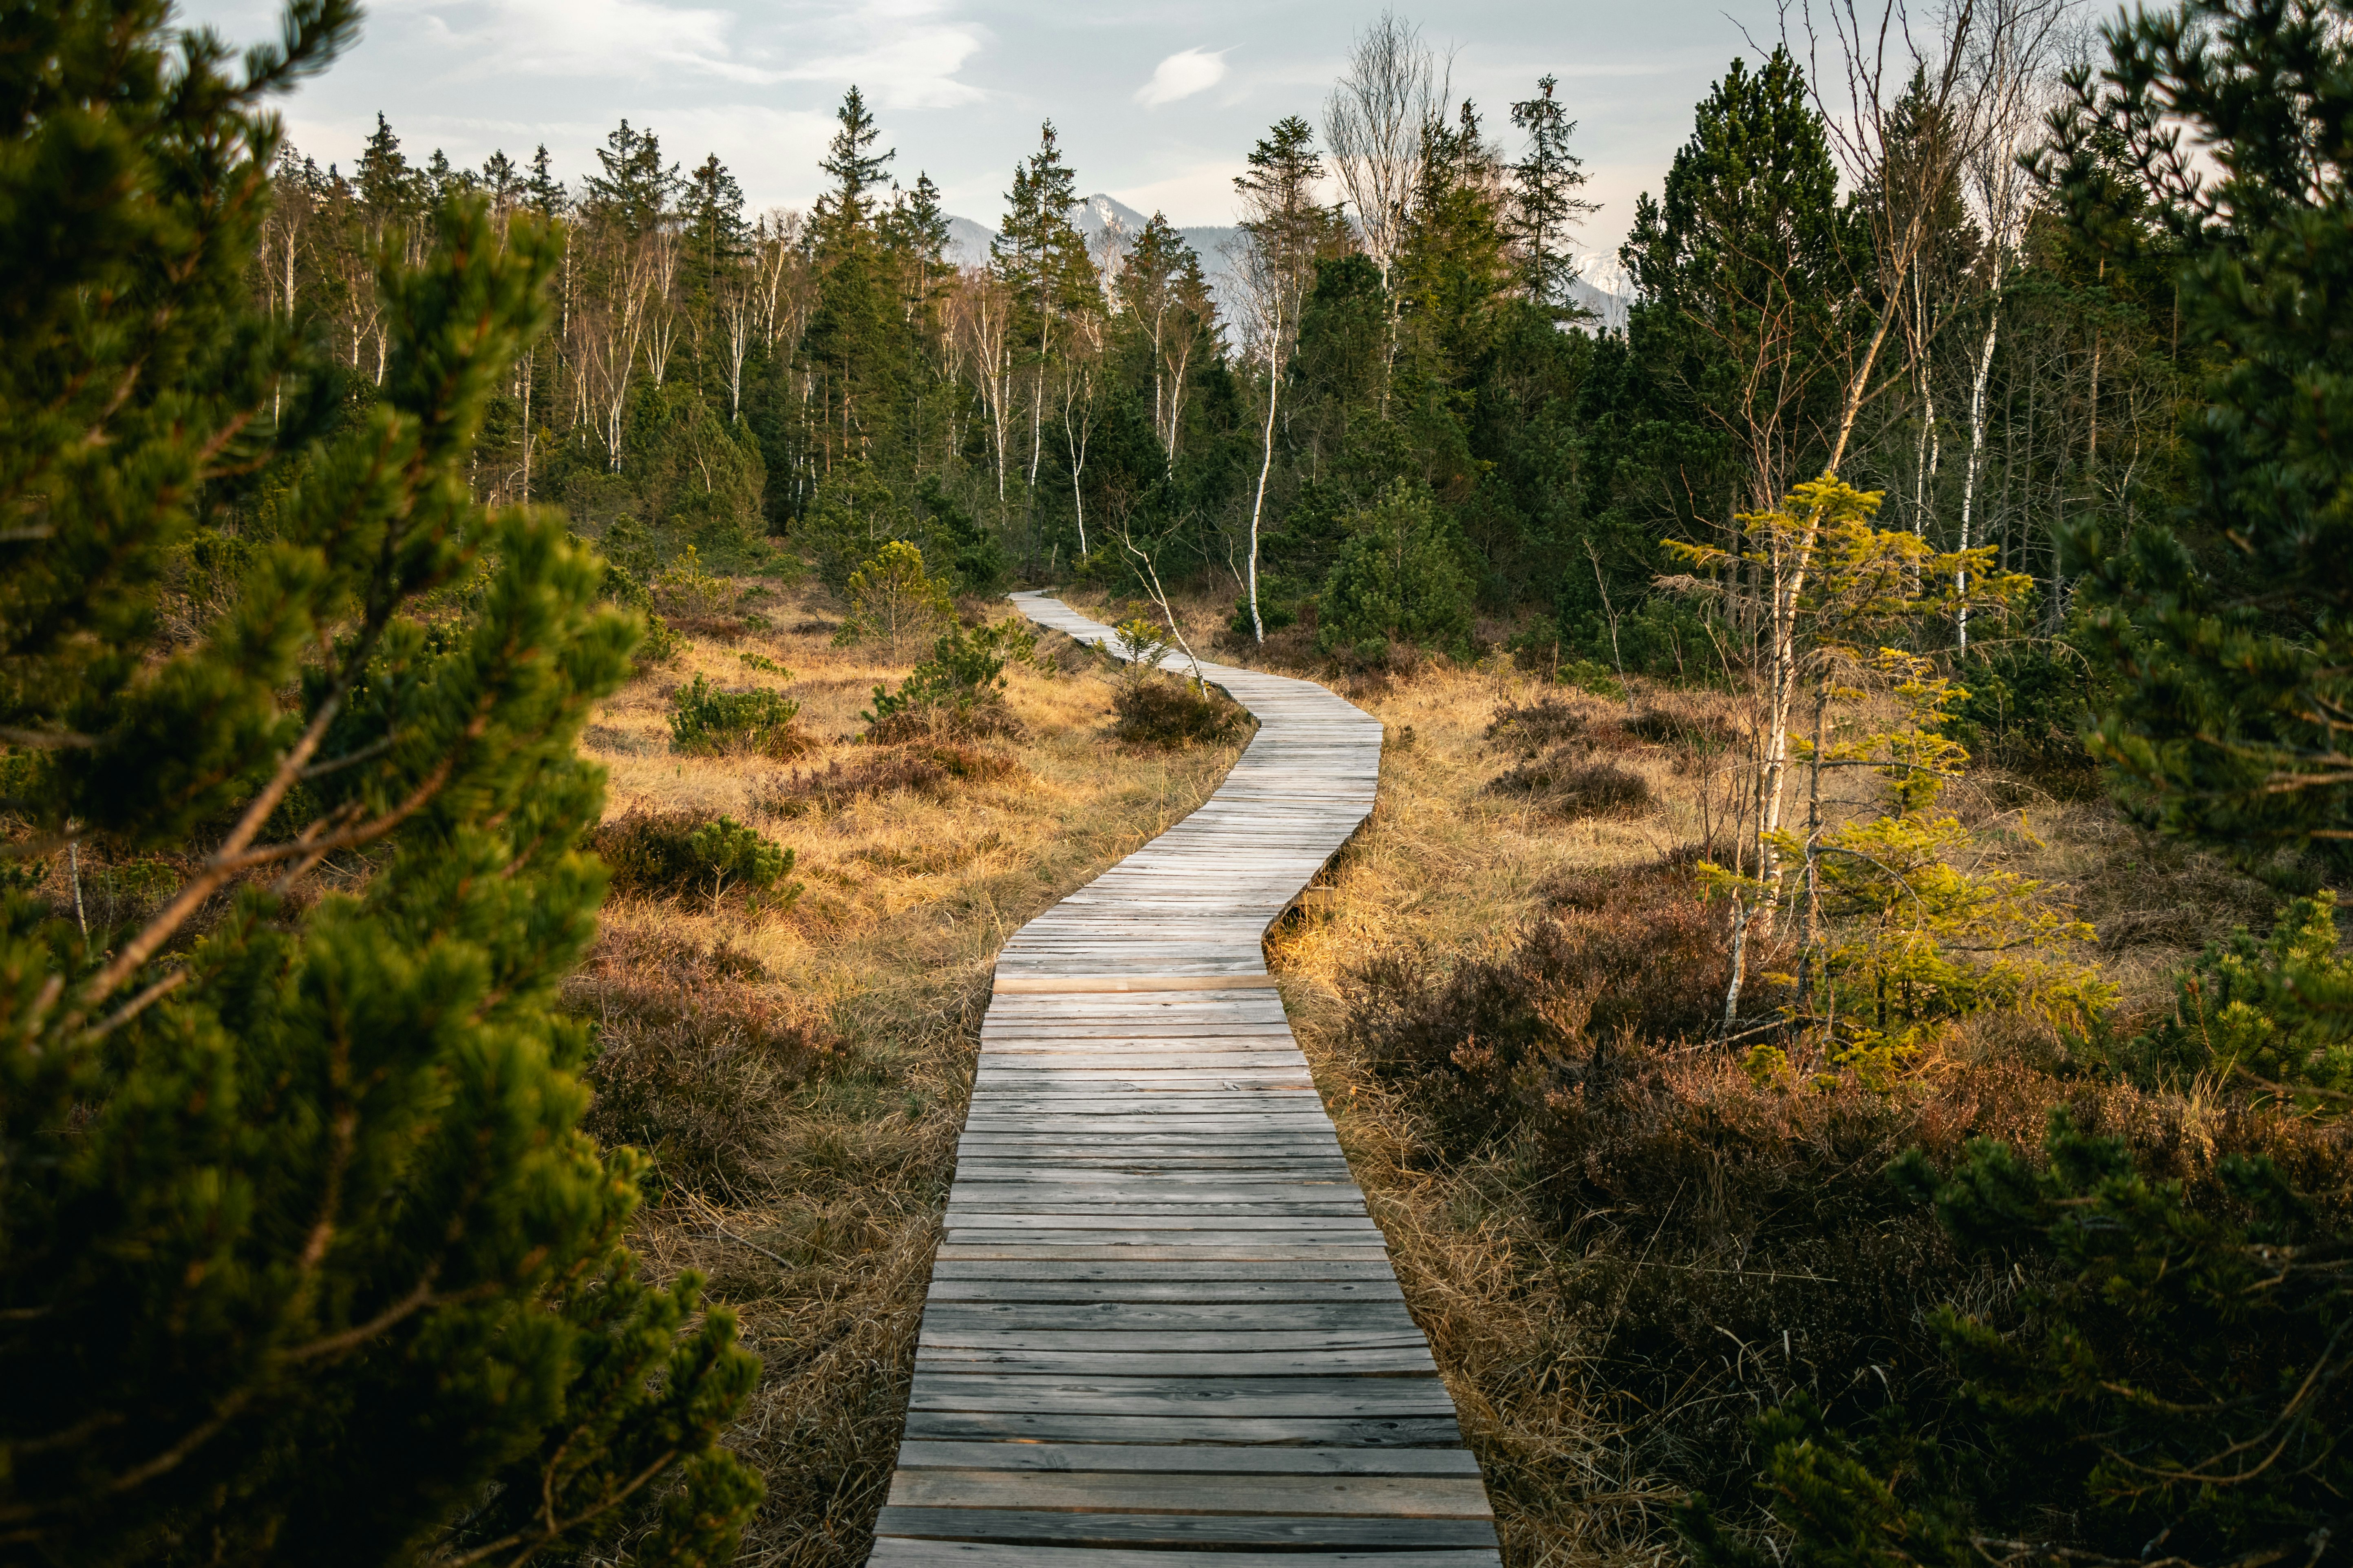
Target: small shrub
[
  {"x": 1615, "y": 961},
  {"x": 727, "y": 854},
  {"x": 958, "y": 691},
  {"x": 1588, "y": 676},
  {"x": 696, "y": 600},
  {"x": 763, "y": 662},
  {"x": 1401, "y": 578},
  {"x": 1696, "y": 729},
  {"x": 1570, "y": 785},
  {"x": 706, "y": 721},
  {"x": 934, "y": 770},
  {"x": 691, "y": 853},
  {"x": 1170, "y": 711},
  {"x": 1547, "y": 721},
  {"x": 893, "y": 600}
]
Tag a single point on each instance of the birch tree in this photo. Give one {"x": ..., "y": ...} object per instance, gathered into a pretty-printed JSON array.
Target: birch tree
[{"x": 1283, "y": 231}]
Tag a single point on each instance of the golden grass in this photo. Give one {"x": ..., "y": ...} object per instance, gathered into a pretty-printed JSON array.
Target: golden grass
[{"x": 823, "y": 1249}]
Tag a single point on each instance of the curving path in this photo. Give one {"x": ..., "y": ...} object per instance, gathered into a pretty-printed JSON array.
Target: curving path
[{"x": 1162, "y": 1329}]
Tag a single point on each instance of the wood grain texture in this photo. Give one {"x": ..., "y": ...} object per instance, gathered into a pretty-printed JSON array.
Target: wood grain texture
[{"x": 1163, "y": 1331}]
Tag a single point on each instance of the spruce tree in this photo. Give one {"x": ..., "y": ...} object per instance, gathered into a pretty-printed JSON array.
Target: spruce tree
[
  {"x": 1742, "y": 264},
  {"x": 1545, "y": 203},
  {"x": 856, "y": 169},
  {"x": 856, "y": 339},
  {"x": 303, "y": 1258},
  {"x": 634, "y": 189}
]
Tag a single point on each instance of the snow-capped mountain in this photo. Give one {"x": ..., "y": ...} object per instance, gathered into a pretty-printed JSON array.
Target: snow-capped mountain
[
  {"x": 1601, "y": 287},
  {"x": 1096, "y": 217}
]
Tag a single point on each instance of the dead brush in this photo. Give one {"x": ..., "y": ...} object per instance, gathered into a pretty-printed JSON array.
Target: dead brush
[
  {"x": 947, "y": 722},
  {"x": 1634, "y": 956},
  {"x": 1166, "y": 711},
  {"x": 931, "y": 769},
  {"x": 694, "y": 1060},
  {"x": 1568, "y": 782},
  {"x": 1547, "y": 721}
]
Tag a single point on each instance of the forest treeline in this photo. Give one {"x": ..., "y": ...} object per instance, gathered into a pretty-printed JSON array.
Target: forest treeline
[{"x": 1386, "y": 422}]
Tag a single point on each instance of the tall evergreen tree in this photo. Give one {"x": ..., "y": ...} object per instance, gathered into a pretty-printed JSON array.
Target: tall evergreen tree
[
  {"x": 542, "y": 189},
  {"x": 633, "y": 189},
  {"x": 1742, "y": 265},
  {"x": 847, "y": 210},
  {"x": 1043, "y": 259},
  {"x": 1545, "y": 203},
  {"x": 302, "y": 1256},
  {"x": 1288, "y": 232},
  {"x": 2235, "y": 724}
]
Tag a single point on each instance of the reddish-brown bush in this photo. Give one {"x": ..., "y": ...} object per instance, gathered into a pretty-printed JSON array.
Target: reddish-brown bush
[
  {"x": 1726, "y": 1243},
  {"x": 694, "y": 1058},
  {"x": 934, "y": 770},
  {"x": 1547, "y": 721},
  {"x": 1570, "y": 783}
]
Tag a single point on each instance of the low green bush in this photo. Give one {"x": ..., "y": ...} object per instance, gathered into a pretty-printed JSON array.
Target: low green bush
[
  {"x": 705, "y": 721},
  {"x": 960, "y": 689},
  {"x": 693, "y": 853}
]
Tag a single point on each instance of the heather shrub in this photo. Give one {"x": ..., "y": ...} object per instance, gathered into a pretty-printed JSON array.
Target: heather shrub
[
  {"x": 1547, "y": 721},
  {"x": 693, "y": 854},
  {"x": 695, "y": 1058},
  {"x": 1568, "y": 782},
  {"x": 1170, "y": 711},
  {"x": 933, "y": 769},
  {"x": 1618, "y": 961}
]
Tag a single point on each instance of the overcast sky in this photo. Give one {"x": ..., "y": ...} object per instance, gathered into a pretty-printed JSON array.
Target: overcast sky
[{"x": 1156, "y": 105}]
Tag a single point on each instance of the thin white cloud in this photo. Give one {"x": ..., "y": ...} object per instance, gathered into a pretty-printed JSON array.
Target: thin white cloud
[
  {"x": 1182, "y": 75},
  {"x": 905, "y": 53},
  {"x": 629, "y": 39}
]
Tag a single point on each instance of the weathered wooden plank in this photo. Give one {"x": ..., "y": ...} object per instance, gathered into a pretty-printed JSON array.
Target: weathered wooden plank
[
  {"x": 1370, "y": 1362},
  {"x": 1175, "y": 1319},
  {"x": 1234, "y": 1396},
  {"x": 1049, "y": 1528},
  {"x": 1409, "y": 1497},
  {"x": 1200, "y": 1458},
  {"x": 1073, "y": 1427}
]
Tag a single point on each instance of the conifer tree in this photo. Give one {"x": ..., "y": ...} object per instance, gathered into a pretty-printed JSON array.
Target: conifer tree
[
  {"x": 1043, "y": 261},
  {"x": 543, "y": 190},
  {"x": 856, "y": 338},
  {"x": 1741, "y": 263},
  {"x": 1545, "y": 203},
  {"x": 302, "y": 1256},
  {"x": 634, "y": 188},
  {"x": 2236, "y": 720}
]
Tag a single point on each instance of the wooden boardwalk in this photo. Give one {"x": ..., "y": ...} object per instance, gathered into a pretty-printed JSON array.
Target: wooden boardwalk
[{"x": 1161, "y": 1328}]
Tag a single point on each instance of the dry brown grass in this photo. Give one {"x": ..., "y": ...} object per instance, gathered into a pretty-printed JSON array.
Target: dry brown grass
[{"x": 802, "y": 1077}]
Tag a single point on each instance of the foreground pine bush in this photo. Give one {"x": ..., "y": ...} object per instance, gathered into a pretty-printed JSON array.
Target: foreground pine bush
[{"x": 303, "y": 1256}]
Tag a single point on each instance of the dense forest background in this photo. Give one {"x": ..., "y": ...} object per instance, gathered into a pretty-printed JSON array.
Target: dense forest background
[{"x": 1417, "y": 387}]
